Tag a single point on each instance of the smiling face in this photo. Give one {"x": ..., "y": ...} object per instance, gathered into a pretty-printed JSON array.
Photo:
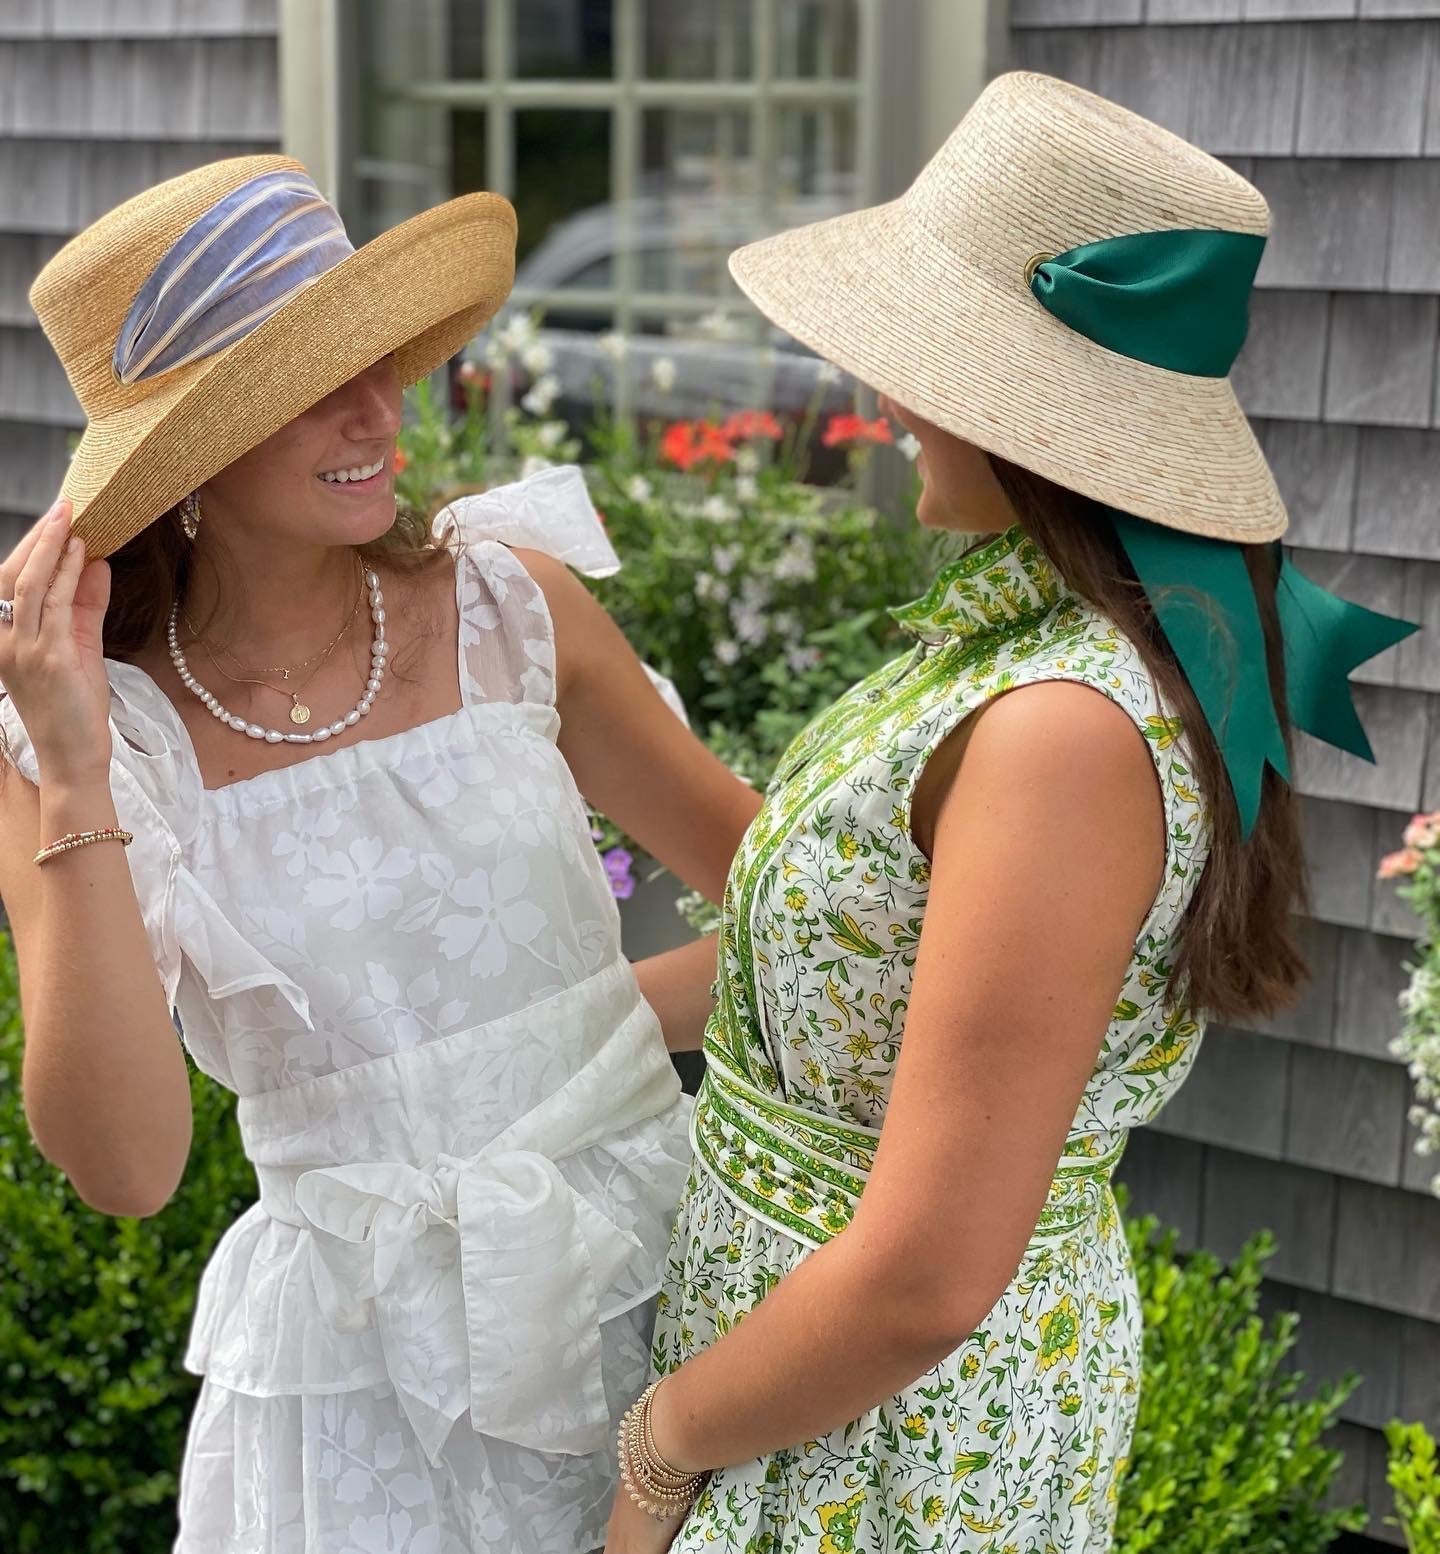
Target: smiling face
[
  {"x": 326, "y": 478},
  {"x": 959, "y": 490}
]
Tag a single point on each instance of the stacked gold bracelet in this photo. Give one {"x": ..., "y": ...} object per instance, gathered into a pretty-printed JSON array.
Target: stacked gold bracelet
[
  {"x": 657, "y": 1488},
  {"x": 73, "y": 839}
]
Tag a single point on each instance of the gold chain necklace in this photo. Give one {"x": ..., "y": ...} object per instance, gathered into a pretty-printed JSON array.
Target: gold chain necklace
[{"x": 299, "y": 712}]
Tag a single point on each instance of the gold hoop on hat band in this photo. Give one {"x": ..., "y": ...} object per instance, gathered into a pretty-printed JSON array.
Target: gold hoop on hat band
[{"x": 1033, "y": 263}]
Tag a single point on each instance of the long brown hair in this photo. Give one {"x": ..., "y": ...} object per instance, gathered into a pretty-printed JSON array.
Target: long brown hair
[{"x": 1237, "y": 953}]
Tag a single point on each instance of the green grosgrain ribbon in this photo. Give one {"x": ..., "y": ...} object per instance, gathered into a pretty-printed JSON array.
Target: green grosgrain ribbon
[
  {"x": 1180, "y": 300},
  {"x": 1202, "y": 595}
]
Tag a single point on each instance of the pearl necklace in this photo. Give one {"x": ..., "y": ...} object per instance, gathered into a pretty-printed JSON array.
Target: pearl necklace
[{"x": 379, "y": 651}]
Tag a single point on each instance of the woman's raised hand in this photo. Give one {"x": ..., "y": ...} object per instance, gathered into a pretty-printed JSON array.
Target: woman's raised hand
[{"x": 51, "y": 654}]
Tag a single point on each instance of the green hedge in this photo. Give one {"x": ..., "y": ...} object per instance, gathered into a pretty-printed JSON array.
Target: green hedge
[{"x": 94, "y": 1313}]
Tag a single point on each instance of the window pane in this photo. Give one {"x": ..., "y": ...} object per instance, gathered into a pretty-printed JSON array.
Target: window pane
[
  {"x": 816, "y": 160},
  {"x": 697, "y": 153},
  {"x": 401, "y": 149},
  {"x": 562, "y": 171},
  {"x": 563, "y": 39},
  {"x": 817, "y": 39},
  {"x": 698, "y": 40},
  {"x": 465, "y": 46}
]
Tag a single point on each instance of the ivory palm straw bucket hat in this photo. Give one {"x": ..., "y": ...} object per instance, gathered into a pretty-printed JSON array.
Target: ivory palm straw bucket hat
[
  {"x": 1067, "y": 285},
  {"x": 197, "y": 318},
  {"x": 932, "y": 299}
]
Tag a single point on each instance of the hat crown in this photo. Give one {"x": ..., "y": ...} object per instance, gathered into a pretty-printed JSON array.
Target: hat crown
[
  {"x": 83, "y": 296},
  {"x": 1039, "y": 166}
]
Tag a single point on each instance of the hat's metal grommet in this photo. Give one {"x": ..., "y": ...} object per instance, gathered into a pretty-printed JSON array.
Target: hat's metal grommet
[{"x": 1033, "y": 263}]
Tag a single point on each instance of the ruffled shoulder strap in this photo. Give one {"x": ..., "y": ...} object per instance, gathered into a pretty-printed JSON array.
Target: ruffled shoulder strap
[
  {"x": 158, "y": 792},
  {"x": 549, "y": 511},
  {"x": 507, "y": 639}
]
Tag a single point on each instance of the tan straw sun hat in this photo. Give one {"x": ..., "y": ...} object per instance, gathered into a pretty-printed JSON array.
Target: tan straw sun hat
[
  {"x": 929, "y": 300},
  {"x": 201, "y": 316}
]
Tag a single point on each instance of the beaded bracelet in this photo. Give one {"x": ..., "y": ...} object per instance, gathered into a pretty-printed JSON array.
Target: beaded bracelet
[
  {"x": 73, "y": 839},
  {"x": 657, "y": 1488}
]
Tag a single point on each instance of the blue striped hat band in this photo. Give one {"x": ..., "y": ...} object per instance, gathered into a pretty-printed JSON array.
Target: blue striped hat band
[{"x": 245, "y": 258}]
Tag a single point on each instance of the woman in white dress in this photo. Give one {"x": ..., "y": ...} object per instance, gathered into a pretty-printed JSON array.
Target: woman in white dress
[{"x": 400, "y": 951}]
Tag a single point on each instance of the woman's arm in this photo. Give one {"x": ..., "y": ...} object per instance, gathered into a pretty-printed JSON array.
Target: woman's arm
[
  {"x": 106, "y": 1091},
  {"x": 1048, "y": 850},
  {"x": 638, "y": 764},
  {"x": 632, "y": 758}
]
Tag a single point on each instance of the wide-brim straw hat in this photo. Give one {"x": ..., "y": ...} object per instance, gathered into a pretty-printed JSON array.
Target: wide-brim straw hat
[
  {"x": 418, "y": 292},
  {"x": 928, "y": 299}
]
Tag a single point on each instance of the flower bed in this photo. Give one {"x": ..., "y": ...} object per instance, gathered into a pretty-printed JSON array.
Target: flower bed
[{"x": 760, "y": 596}]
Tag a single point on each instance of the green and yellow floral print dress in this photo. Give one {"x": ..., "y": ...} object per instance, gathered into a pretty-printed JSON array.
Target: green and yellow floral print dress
[{"x": 1016, "y": 1443}]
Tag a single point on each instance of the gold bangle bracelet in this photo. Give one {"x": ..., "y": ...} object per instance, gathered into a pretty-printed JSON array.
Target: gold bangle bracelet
[{"x": 73, "y": 839}]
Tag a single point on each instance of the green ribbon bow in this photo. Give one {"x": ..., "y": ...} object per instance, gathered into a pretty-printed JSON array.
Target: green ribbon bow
[{"x": 1180, "y": 300}]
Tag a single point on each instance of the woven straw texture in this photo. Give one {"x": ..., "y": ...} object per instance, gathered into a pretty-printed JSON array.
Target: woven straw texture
[
  {"x": 419, "y": 291},
  {"x": 926, "y": 299}
]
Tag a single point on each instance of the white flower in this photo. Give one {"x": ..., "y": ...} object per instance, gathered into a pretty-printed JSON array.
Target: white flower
[
  {"x": 551, "y": 434},
  {"x": 542, "y": 396},
  {"x": 710, "y": 590},
  {"x": 828, "y": 372},
  {"x": 663, "y": 372},
  {"x": 716, "y": 326},
  {"x": 537, "y": 358},
  {"x": 747, "y": 488},
  {"x": 747, "y": 461},
  {"x": 909, "y": 445},
  {"x": 750, "y": 624},
  {"x": 718, "y": 509},
  {"x": 787, "y": 624},
  {"x": 533, "y": 465},
  {"x": 802, "y": 658},
  {"x": 756, "y": 592},
  {"x": 796, "y": 563},
  {"x": 519, "y": 332},
  {"x": 497, "y": 913},
  {"x": 727, "y": 652},
  {"x": 638, "y": 489},
  {"x": 614, "y": 345},
  {"x": 495, "y": 353},
  {"x": 725, "y": 557}
]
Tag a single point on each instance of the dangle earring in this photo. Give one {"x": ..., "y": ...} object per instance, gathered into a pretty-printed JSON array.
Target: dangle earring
[{"x": 190, "y": 515}]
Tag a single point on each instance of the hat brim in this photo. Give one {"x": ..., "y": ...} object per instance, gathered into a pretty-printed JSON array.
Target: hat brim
[
  {"x": 418, "y": 292},
  {"x": 878, "y": 295}
]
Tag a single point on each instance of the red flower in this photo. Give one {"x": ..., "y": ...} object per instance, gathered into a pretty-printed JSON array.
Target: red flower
[
  {"x": 746, "y": 425},
  {"x": 688, "y": 443},
  {"x": 400, "y": 460},
  {"x": 843, "y": 431}
]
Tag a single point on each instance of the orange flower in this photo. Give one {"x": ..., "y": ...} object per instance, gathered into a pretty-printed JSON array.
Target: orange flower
[
  {"x": 843, "y": 431},
  {"x": 688, "y": 443},
  {"x": 745, "y": 425},
  {"x": 400, "y": 460}
]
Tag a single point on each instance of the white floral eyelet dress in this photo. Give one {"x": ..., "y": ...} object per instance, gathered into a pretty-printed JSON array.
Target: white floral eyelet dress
[
  {"x": 404, "y": 957},
  {"x": 1014, "y": 1444}
]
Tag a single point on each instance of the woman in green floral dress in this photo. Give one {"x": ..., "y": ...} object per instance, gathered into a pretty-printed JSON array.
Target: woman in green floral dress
[{"x": 968, "y": 942}]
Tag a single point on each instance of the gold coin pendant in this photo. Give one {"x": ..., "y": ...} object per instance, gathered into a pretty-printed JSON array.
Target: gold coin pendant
[{"x": 299, "y": 713}]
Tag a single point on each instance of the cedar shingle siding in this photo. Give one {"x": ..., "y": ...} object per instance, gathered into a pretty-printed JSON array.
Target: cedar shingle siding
[
  {"x": 99, "y": 98},
  {"x": 1332, "y": 107}
]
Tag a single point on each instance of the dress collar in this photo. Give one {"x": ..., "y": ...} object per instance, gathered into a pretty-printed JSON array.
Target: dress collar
[{"x": 1002, "y": 583}]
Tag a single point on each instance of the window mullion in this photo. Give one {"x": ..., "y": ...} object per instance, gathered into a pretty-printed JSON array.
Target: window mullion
[{"x": 625, "y": 154}]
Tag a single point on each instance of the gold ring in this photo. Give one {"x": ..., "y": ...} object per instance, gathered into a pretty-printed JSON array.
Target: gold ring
[{"x": 1033, "y": 263}]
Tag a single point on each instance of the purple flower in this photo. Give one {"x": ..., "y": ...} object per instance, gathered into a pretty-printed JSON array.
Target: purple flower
[{"x": 618, "y": 864}]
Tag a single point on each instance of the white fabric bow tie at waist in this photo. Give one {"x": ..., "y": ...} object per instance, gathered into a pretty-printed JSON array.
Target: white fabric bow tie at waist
[{"x": 509, "y": 1329}]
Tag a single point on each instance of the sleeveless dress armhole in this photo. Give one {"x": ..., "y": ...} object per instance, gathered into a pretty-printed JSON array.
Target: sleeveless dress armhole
[
  {"x": 507, "y": 637},
  {"x": 157, "y": 793},
  {"x": 1135, "y": 693}
]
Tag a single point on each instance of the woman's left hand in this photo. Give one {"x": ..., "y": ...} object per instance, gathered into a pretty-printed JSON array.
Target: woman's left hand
[{"x": 633, "y": 1531}]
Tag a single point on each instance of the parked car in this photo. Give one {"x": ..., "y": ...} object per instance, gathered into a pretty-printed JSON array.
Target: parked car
[{"x": 677, "y": 368}]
